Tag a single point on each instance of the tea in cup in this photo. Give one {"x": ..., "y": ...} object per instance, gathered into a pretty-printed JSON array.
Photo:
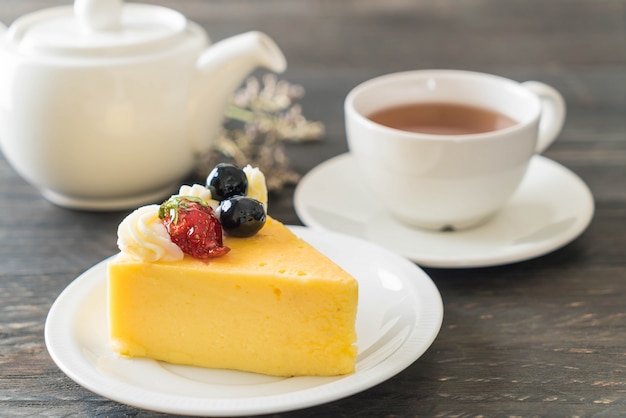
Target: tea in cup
[{"x": 446, "y": 149}]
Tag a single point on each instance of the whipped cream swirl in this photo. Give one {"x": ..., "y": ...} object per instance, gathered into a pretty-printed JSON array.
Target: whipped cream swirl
[
  {"x": 257, "y": 188},
  {"x": 143, "y": 236},
  {"x": 199, "y": 191}
]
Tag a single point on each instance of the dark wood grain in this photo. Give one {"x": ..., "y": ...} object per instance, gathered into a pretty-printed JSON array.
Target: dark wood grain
[{"x": 545, "y": 337}]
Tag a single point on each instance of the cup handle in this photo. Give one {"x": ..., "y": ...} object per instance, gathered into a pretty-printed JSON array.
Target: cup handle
[{"x": 552, "y": 113}]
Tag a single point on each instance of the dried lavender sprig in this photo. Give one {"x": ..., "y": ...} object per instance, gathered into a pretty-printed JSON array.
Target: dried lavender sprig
[{"x": 268, "y": 117}]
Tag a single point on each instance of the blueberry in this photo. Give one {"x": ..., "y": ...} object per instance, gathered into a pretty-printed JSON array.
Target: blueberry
[
  {"x": 227, "y": 180},
  {"x": 241, "y": 216}
]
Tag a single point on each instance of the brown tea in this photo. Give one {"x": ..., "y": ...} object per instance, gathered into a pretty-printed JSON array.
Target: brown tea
[{"x": 441, "y": 118}]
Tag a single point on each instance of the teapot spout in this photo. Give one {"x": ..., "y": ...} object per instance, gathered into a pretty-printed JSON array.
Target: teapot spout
[{"x": 221, "y": 70}]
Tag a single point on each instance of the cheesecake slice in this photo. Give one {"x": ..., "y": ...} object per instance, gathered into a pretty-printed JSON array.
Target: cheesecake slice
[{"x": 273, "y": 305}]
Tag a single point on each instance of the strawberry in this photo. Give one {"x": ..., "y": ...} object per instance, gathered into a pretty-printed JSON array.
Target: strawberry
[{"x": 193, "y": 226}]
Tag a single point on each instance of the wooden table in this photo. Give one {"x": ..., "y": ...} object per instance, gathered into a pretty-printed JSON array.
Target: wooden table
[{"x": 545, "y": 337}]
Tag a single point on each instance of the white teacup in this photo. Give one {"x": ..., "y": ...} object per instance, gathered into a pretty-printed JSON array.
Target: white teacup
[{"x": 451, "y": 180}]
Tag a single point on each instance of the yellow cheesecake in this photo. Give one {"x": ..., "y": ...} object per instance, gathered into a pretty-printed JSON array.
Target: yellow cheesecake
[{"x": 273, "y": 305}]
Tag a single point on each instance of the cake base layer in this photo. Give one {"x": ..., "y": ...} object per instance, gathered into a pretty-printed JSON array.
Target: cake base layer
[{"x": 272, "y": 305}]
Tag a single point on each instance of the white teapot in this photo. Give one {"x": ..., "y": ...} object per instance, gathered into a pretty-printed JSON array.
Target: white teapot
[{"x": 106, "y": 105}]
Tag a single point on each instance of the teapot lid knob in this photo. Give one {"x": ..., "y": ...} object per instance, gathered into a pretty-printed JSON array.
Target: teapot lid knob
[{"x": 98, "y": 14}]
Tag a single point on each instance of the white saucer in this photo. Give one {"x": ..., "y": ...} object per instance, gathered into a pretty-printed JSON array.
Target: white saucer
[
  {"x": 551, "y": 207},
  {"x": 399, "y": 315}
]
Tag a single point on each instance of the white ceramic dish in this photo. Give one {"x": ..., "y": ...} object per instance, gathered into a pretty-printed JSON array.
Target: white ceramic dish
[
  {"x": 400, "y": 313},
  {"x": 551, "y": 208}
]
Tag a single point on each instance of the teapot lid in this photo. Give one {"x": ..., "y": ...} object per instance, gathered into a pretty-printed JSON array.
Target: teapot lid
[{"x": 96, "y": 27}]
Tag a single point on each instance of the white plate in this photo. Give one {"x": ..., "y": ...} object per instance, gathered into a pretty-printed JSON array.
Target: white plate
[
  {"x": 551, "y": 207},
  {"x": 399, "y": 316}
]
